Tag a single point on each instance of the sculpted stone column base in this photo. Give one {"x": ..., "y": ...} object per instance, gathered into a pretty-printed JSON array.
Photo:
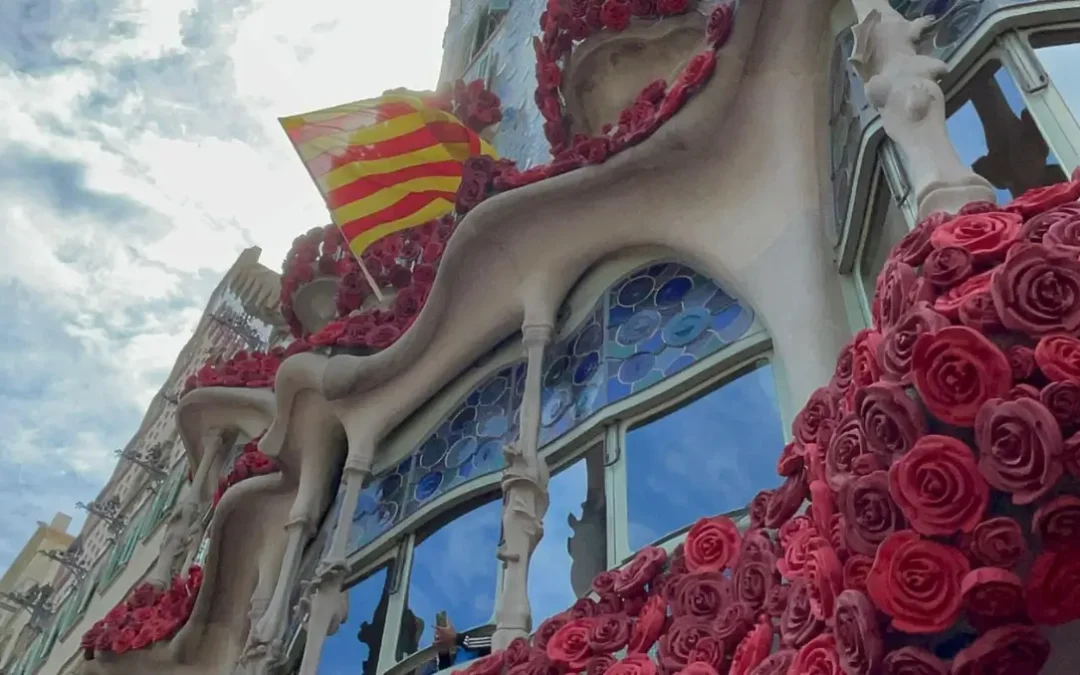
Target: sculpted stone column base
[{"x": 950, "y": 198}]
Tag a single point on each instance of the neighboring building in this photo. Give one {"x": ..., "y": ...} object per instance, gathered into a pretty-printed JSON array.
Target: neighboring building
[
  {"x": 27, "y": 575},
  {"x": 608, "y": 353},
  {"x": 122, "y": 533}
]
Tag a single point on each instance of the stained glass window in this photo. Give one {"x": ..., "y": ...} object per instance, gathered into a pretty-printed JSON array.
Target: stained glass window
[
  {"x": 380, "y": 505},
  {"x": 573, "y": 378}
]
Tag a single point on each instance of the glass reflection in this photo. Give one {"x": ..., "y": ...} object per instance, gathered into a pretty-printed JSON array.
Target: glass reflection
[
  {"x": 995, "y": 134},
  {"x": 886, "y": 227},
  {"x": 354, "y": 648},
  {"x": 453, "y": 569},
  {"x": 1059, "y": 53},
  {"x": 709, "y": 456},
  {"x": 574, "y": 547}
]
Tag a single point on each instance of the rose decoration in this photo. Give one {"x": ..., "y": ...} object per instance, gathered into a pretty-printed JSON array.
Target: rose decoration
[
  {"x": 583, "y": 608},
  {"x": 825, "y": 579},
  {"x": 848, "y": 444},
  {"x": 821, "y": 406},
  {"x": 776, "y": 600},
  {"x": 757, "y": 544},
  {"x": 785, "y": 501},
  {"x": 938, "y": 487},
  {"x": 754, "y": 578},
  {"x": 997, "y": 542},
  {"x": 777, "y": 663},
  {"x": 599, "y": 664},
  {"x": 1057, "y": 523},
  {"x": 1040, "y": 199},
  {"x": 1007, "y": 650},
  {"x": 752, "y": 650},
  {"x": 642, "y": 569},
  {"x": 895, "y": 288},
  {"x": 1070, "y": 455},
  {"x": 793, "y": 527},
  {"x": 1062, "y": 399},
  {"x": 1052, "y": 588},
  {"x": 947, "y": 266},
  {"x": 678, "y": 643},
  {"x": 993, "y": 597},
  {"x": 711, "y": 651},
  {"x": 492, "y": 664},
  {"x": 719, "y": 26},
  {"x": 608, "y": 633},
  {"x": 698, "y": 668},
  {"x": 798, "y": 625},
  {"x": 1037, "y": 291},
  {"x": 711, "y": 544},
  {"x": 1020, "y": 447},
  {"x": 734, "y": 622},
  {"x": 548, "y": 628},
  {"x": 870, "y": 512},
  {"x": 571, "y": 644},
  {"x": 1058, "y": 356},
  {"x": 891, "y": 420},
  {"x": 648, "y": 627},
  {"x": 856, "y": 569},
  {"x": 635, "y": 664},
  {"x": 948, "y": 303},
  {"x": 858, "y": 641},
  {"x": 817, "y": 657},
  {"x": 913, "y": 661},
  {"x": 917, "y": 583},
  {"x": 956, "y": 370},
  {"x": 604, "y": 583},
  {"x": 701, "y": 595},
  {"x": 864, "y": 349},
  {"x": 987, "y": 236}
]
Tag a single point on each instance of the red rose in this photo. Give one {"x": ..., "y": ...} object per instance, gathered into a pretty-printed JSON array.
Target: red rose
[
  {"x": 986, "y": 235},
  {"x": 997, "y": 542},
  {"x": 798, "y": 625},
  {"x": 698, "y": 668},
  {"x": 635, "y": 664},
  {"x": 785, "y": 501},
  {"x": 822, "y": 505},
  {"x": 711, "y": 544},
  {"x": 817, "y": 657},
  {"x": 895, "y": 284},
  {"x": 1062, "y": 399},
  {"x": 948, "y": 266},
  {"x": 609, "y": 633},
  {"x": 538, "y": 664},
  {"x": 825, "y": 579},
  {"x": 1008, "y": 650},
  {"x": 701, "y": 595},
  {"x": 643, "y": 8},
  {"x": 777, "y": 663},
  {"x": 759, "y": 506},
  {"x": 821, "y": 406},
  {"x": 797, "y": 553},
  {"x": 670, "y": 7},
  {"x": 1058, "y": 356},
  {"x": 917, "y": 583},
  {"x": 1020, "y": 448},
  {"x": 938, "y": 487},
  {"x": 993, "y": 597},
  {"x": 380, "y": 337},
  {"x": 710, "y": 651},
  {"x": 891, "y": 421},
  {"x": 843, "y": 372},
  {"x": 754, "y": 578},
  {"x": 793, "y": 527},
  {"x": 1057, "y": 523},
  {"x": 978, "y": 311},
  {"x": 914, "y": 247},
  {"x": 609, "y": 604},
  {"x": 1064, "y": 233},
  {"x": 679, "y": 641},
  {"x": 848, "y": 454},
  {"x": 956, "y": 370},
  {"x": 1053, "y": 588},
  {"x": 549, "y": 627},
  {"x": 858, "y": 640},
  {"x": 698, "y": 70},
  {"x": 734, "y": 622},
  {"x": 791, "y": 461},
  {"x": 1035, "y": 229},
  {"x": 1070, "y": 455},
  {"x": 1021, "y": 361},
  {"x": 570, "y": 645},
  {"x": 642, "y": 569},
  {"x": 649, "y": 625},
  {"x": 758, "y": 545},
  {"x": 491, "y": 664},
  {"x": 615, "y": 14},
  {"x": 718, "y": 30},
  {"x": 1037, "y": 291},
  {"x": 776, "y": 600},
  {"x": 1040, "y": 199},
  {"x": 582, "y": 608},
  {"x": 599, "y": 665},
  {"x": 948, "y": 303},
  {"x": 1022, "y": 391},
  {"x": 752, "y": 650},
  {"x": 548, "y": 75},
  {"x": 604, "y": 582},
  {"x": 865, "y": 367},
  {"x": 895, "y": 349},
  {"x": 856, "y": 569},
  {"x": 913, "y": 661}
]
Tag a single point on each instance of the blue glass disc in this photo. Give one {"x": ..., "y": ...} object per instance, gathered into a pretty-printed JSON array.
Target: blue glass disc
[
  {"x": 636, "y": 367},
  {"x": 639, "y": 327},
  {"x": 635, "y": 290},
  {"x": 686, "y": 327},
  {"x": 427, "y": 486},
  {"x": 674, "y": 291}
]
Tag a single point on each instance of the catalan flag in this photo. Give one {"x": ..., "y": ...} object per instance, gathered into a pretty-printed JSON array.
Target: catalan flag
[{"x": 384, "y": 164}]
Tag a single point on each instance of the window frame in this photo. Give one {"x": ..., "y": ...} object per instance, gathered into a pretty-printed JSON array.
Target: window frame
[{"x": 1058, "y": 122}]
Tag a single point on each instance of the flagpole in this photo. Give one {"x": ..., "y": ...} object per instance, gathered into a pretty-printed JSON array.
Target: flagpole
[{"x": 370, "y": 279}]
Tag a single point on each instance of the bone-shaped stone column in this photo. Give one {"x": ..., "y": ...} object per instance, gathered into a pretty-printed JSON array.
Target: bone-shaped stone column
[
  {"x": 525, "y": 499},
  {"x": 903, "y": 86},
  {"x": 329, "y": 605}
]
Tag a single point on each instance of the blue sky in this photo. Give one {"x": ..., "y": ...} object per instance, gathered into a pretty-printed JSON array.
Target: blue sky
[{"x": 139, "y": 154}]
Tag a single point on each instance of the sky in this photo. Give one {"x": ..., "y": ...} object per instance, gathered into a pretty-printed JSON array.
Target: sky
[{"x": 139, "y": 154}]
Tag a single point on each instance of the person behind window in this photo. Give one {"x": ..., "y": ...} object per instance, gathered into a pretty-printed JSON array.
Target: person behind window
[{"x": 455, "y": 648}]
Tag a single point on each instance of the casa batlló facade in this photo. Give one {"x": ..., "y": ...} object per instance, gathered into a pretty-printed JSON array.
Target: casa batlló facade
[{"x": 756, "y": 353}]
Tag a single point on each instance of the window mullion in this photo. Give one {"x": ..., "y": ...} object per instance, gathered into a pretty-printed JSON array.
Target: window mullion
[
  {"x": 1042, "y": 99},
  {"x": 400, "y": 573},
  {"x": 615, "y": 493}
]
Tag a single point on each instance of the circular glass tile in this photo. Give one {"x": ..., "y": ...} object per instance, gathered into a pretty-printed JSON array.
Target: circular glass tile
[
  {"x": 686, "y": 327},
  {"x": 488, "y": 455},
  {"x": 673, "y": 291},
  {"x": 460, "y": 452},
  {"x": 427, "y": 486},
  {"x": 635, "y": 290},
  {"x": 389, "y": 487},
  {"x": 432, "y": 451},
  {"x": 494, "y": 427},
  {"x": 462, "y": 419},
  {"x": 639, "y": 327},
  {"x": 586, "y": 368},
  {"x": 554, "y": 406},
  {"x": 556, "y": 371},
  {"x": 636, "y": 367},
  {"x": 387, "y": 513},
  {"x": 493, "y": 391},
  {"x": 367, "y": 503},
  {"x": 590, "y": 340},
  {"x": 586, "y": 401}
]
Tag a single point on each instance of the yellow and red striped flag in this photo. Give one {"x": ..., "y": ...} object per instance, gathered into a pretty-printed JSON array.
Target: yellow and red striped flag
[{"x": 384, "y": 164}]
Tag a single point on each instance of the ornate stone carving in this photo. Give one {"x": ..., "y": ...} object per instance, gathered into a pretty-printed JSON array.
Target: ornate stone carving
[{"x": 902, "y": 85}]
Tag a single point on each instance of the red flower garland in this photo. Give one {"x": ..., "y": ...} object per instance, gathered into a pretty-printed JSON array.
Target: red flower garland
[
  {"x": 251, "y": 463},
  {"x": 254, "y": 370},
  {"x": 147, "y": 616}
]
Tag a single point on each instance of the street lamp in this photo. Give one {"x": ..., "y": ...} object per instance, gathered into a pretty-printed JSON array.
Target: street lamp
[
  {"x": 71, "y": 558},
  {"x": 108, "y": 512},
  {"x": 239, "y": 325},
  {"x": 152, "y": 461},
  {"x": 34, "y": 600}
]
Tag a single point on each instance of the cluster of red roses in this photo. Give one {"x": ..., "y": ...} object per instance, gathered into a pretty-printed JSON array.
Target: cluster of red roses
[
  {"x": 254, "y": 370},
  {"x": 940, "y": 465},
  {"x": 148, "y": 615},
  {"x": 249, "y": 464},
  {"x": 403, "y": 265},
  {"x": 567, "y": 21},
  {"x": 321, "y": 251}
]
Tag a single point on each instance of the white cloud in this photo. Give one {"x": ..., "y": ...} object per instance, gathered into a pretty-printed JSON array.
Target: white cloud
[{"x": 140, "y": 152}]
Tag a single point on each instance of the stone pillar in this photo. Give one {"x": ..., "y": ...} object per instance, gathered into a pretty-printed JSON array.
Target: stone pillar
[
  {"x": 184, "y": 525},
  {"x": 902, "y": 85},
  {"x": 525, "y": 499},
  {"x": 329, "y": 605}
]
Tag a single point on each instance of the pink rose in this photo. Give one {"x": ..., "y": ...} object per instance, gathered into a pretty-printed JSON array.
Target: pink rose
[
  {"x": 1037, "y": 291},
  {"x": 917, "y": 583},
  {"x": 1020, "y": 448},
  {"x": 938, "y": 486},
  {"x": 957, "y": 370}
]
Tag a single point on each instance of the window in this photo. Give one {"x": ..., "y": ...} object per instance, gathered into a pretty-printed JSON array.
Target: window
[
  {"x": 354, "y": 648},
  {"x": 1059, "y": 53},
  {"x": 885, "y": 227},
  {"x": 486, "y": 26},
  {"x": 709, "y": 456},
  {"x": 574, "y": 547},
  {"x": 453, "y": 570},
  {"x": 995, "y": 134}
]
